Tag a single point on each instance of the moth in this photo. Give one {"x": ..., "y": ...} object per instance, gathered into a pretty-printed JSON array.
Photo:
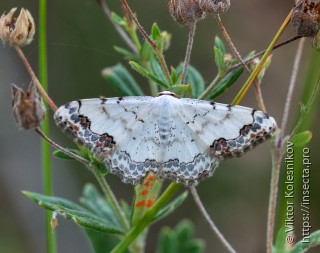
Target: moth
[{"x": 180, "y": 139}]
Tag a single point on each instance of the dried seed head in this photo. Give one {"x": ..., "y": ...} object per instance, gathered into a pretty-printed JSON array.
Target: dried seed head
[
  {"x": 17, "y": 31},
  {"x": 214, "y": 6},
  {"x": 306, "y": 18},
  {"x": 28, "y": 108},
  {"x": 185, "y": 11}
]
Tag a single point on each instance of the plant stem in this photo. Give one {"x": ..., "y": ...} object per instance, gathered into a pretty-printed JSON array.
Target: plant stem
[
  {"x": 45, "y": 147},
  {"x": 149, "y": 40},
  {"x": 34, "y": 78},
  {"x": 57, "y": 146},
  {"x": 123, "y": 35},
  {"x": 275, "y": 173},
  {"x": 135, "y": 231},
  {"x": 209, "y": 220},
  {"x": 192, "y": 30},
  {"x": 259, "y": 66},
  {"x": 292, "y": 84},
  {"x": 208, "y": 90},
  {"x": 236, "y": 53},
  {"x": 110, "y": 196}
]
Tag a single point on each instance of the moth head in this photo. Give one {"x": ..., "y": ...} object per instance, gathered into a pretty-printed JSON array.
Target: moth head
[{"x": 168, "y": 93}]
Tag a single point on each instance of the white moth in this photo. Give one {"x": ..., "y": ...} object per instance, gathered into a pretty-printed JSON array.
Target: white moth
[{"x": 177, "y": 138}]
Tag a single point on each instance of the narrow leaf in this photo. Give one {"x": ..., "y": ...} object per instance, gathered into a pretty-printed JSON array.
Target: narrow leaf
[
  {"x": 165, "y": 211},
  {"x": 219, "y": 60},
  {"x": 60, "y": 154},
  {"x": 304, "y": 246},
  {"x": 155, "y": 32},
  {"x": 118, "y": 20},
  {"x": 148, "y": 74},
  {"x": 126, "y": 53},
  {"x": 281, "y": 245},
  {"x": 226, "y": 83},
  {"x": 157, "y": 70},
  {"x": 219, "y": 44}
]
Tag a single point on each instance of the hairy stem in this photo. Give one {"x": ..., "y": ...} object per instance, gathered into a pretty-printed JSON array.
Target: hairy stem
[
  {"x": 57, "y": 146},
  {"x": 122, "y": 33},
  {"x": 292, "y": 84},
  {"x": 149, "y": 40},
  {"x": 236, "y": 53},
  {"x": 135, "y": 231},
  {"x": 210, "y": 221},
  {"x": 192, "y": 30}
]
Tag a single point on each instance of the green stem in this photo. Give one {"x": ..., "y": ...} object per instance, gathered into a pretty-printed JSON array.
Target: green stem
[
  {"x": 110, "y": 197},
  {"x": 208, "y": 90},
  {"x": 147, "y": 219},
  {"x": 258, "y": 68},
  {"x": 45, "y": 147}
]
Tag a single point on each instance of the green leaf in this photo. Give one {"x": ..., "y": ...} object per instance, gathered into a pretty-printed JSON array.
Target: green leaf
[
  {"x": 95, "y": 203},
  {"x": 281, "y": 244},
  {"x": 226, "y": 83},
  {"x": 194, "y": 78},
  {"x": 75, "y": 212},
  {"x": 180, "y": 240},
  {"x": 122, "y": 81},
  {"x": 219, "y": 44},
  {"x": 302, "y": 246},
  {"x": 118, "y": 20},
  {"x": 181, "y": 89},
  {"x": 144, "y": 72},
  {"x": 219, "y": 60},
  {"x": 165, "y": 211},
  {"x": 157, "y": 70},
  {"x": 126, "y": 53},
  {"x": 155, "y": 32},
  {"x": 301, "y": 139},
  {"x": 60, "y": 154},
  {"x": 101, "y": 242},
  {"x": 146, "y": 51},
  {"x": 144, "y": 197}
]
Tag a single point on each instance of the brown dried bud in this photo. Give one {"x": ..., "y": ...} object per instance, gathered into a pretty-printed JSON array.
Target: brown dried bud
[
  {"x": 28, "y": 108},
  {"x": 17, "y": 31},
  {"x": 185, "y": 11},
  {"x": 306, "y": 18},
  {"x": 214, "y": 6}
]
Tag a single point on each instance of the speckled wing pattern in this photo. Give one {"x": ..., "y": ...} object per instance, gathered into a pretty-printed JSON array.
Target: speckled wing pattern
[{"x": 177, "y": 138}]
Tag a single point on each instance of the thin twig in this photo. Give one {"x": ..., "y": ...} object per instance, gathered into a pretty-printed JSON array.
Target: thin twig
[
  {"x": 192, "y": 30},
  {"x": 275, "y": 173},
  {"x": 208, "y": 219},
  {"x": 35, "y": 79},
  {"x": 57, "y": 146},
  {"x": 211, "y": 86},
  {"x": 237, "y": 65},
  {"x": 257, "y": 87},
  {"x": 148, "y": 39},
  {"x": 123, "y": 35},
  {"x": 292, "y": 84}
]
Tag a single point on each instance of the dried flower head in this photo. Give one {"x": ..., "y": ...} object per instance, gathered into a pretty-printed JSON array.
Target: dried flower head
[
  {"x": 306, "y": 18},
  {"x": 214, "y": 6},
  {"x": 28, "y": 108},
  {"x": 17, "y": 31},
  {"x": 185, "y": 11}
]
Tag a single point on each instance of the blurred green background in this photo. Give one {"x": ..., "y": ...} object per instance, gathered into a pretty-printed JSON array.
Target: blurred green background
[{"x": 80, "y": 45}]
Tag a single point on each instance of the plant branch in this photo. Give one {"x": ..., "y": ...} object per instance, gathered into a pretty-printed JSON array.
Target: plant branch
[
  {"x": 211, "y": 86},
  {"x": 259, "y": 66},
  {"x": 123, "y": 35},
  {"x": 149, "y": 40},
  {"x": 209, "y": 220},
  {"x": 292, "y": 84},
  {"x": 35, "y": 79},
  {"x": 236, "y": 53},
  {"x": 57, "y": 146},
  {"x": 135, "y": 231},
  {"x": 237, "y": 65},
  {"x": 192, "y": 30}
]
